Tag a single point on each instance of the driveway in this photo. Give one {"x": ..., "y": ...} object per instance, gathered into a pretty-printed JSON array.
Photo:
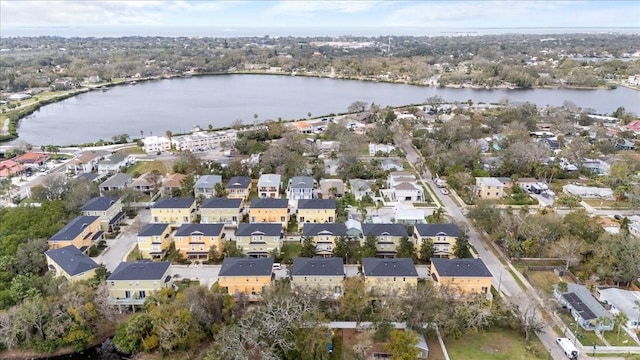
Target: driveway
[{"x": 118, "y": 248}]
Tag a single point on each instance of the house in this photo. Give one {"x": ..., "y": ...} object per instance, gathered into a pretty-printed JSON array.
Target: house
[
  {"x": 83, "y": 163},
  {"x": 269, "y": 185},
  {"x": 175, "y": 211},
  {"x": 374, "y": 149},
  {"x": 316, "y": 211},
  {"x": 113, "y": 164},
  {"x": 331, "y": 188},
  {"x": 443, "y": 237},
  {"x": 171, "y": 183},
  {"x": 259, "y": 239},
  {"x": 80, "y": 232},
  {"x": 70, "y": 263},
  {"x": 469, "y": 276},
  {"x": 238, "y": 187},
  {"x": 584, "y": 308},
  {"x": 116, "y": 182},
  {"x": 489, "y": 188},
  {"x": 623, "y": 301},
  {"x": 154, "y": 144},
  {"x": 221, "y": 210},
  {"x": 146, "y": 183},
  {"x": 588, "y": 192},
  {"x": 154, "y": 240},
  {"x": 404, "y": 187},
  {"x": 108, "y": 208},
  {"x": 597, "y": 166},
  {"x": 624, "y": 144},
  {"x": 131, "y": 282},
  {"x": 633, "y": 127},
  {"x": 195, "y": 240},
  {"x": 354, "y": 230},
  {"x": 387, "y": 237},
  {"x": 301, "y": 187},
  {"x": 389, "y": 277},
  {"x": 361, "y": 188},
  {"x": 302, "y": 127},
  {"x": 93, "y": 177},
  {"x": 324, "y": 236},
  {"x": 269, "y": 210},
  {"x": 10, "y": 168},
  {"x": 246, "y": 276},
  {"x": 391, "y": 165},
  {"x": 206, "y": 186},
  {"x": 32, "y": 159},
  {"x": 319, "y": 276}
]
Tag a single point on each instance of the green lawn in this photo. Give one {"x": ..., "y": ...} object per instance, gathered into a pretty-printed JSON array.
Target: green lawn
[
  {"x": 623, "y": 340},
  {"x": 495, "y": 344},
  {"x": 290, "y": 251},
  {"x": 586, "y": 338},
  {"x": 517, "y": 278},
  {"x": 142, "y": 167},
  {"x": 543, "y": 280}
]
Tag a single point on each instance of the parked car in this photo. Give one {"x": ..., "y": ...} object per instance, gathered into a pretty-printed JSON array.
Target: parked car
[
  {"x": 617, "y": 217},
  {"x": 444, "y": 191}
]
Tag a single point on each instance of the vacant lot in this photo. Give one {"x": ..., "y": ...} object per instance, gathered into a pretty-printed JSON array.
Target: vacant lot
[{"x": 495, "y": 344}]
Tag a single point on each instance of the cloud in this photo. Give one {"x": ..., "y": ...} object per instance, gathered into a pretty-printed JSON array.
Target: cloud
[{"x": 309, "y": 7}]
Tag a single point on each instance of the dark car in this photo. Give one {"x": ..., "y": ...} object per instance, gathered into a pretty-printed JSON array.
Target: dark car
[{"x": 617, "y": 217}]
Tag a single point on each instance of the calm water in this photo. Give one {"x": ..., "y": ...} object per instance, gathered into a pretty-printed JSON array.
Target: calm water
[{"x": 178, "y": 104}]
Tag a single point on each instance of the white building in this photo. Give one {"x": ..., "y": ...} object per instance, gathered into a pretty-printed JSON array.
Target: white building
[
  {"x": 405, "y": 187},
  {"x": 588, "y": 192},
  {"x": 625, "y": 301},
  {"x": 203, "y": 140},
  {"x": 153, "y": 144},
  {"x": 383, "y": 148}
]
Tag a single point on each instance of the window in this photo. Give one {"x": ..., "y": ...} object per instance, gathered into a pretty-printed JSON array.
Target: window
[
  {"x": 143, "y": 294},
  {"x": 282, "y": 219},
  {"x": 127, "y": 294}
]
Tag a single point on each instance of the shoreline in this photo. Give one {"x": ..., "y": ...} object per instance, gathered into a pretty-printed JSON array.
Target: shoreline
[{"x": 12, "y": 117}]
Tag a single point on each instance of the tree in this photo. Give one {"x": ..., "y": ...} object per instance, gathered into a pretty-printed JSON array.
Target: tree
[
  {"x": 101, "y": 274},
  {"x": 529, "y": 318},
  {"x": 486, "y": 216},
  {"x": 567, "y": 248},
  {"x": 620, "y": 319},
  {"x": 437, "y": 217},
  {"x": 357, "y": 106},
  {"x": 406, "y": 249},
  {"x": 462, "y": 248},
  {"x": 604, "y": 322},
  {"x": 186, "y": 186},
  {"x": 354, "y": 303},
  {"x": 220, "y": 190},
  {"x": 30, "y": 258},
  {"x": 308, "y": 247},
  {"x": 402, "y": 345},
  {"x": 342, "y": 249},
  {"x": 369, "y": 248},
  {"x": 426, "y": 250}
]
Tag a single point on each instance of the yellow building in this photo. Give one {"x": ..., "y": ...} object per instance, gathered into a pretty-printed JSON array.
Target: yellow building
[
  {"x": 314, "y": 211},
  {"x": 489, "y": 188},
  {"x": 249, "y": 276},
  {"x": 324, "y": 236},
  {"x": 269, "y": 210},
  {"x": 387, "y": 236},
  {"x": 195, "y": 240},
  {"x": 319, "y": 276},
  {"x": 470, "y": 276},
  {"x": 71, "y": 263},
  {"x": 109, "y": 209},
  {"x": 221, "y": 210},
  {"x": 174, "y": 211},
  {"x": 80, "y": 232},
  {"x": 131, "y": 282},
  {"x": 389, "y": 277},
  {"x": 238, "y": 187},
  {"x": 443, "y": 236},
  {"x": 259, "y": 239},
  {"x": 154, "y": 240}
]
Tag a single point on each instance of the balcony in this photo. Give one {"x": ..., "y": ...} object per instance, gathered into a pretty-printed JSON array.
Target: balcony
[{"x": 126, "y": 301}]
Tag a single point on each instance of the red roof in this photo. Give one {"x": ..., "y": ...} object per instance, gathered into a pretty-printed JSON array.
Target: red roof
[
  {"x": 633, "y": 126},
  {"x": 32, "y": 158},
  {"x": 9, "y": 167}
]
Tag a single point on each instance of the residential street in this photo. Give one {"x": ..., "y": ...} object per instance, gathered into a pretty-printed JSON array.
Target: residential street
[{"x": 119, "y": 248}]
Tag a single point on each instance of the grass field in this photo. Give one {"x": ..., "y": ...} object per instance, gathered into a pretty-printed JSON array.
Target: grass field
[
  {"x": 142, "y": 167},
  {"x": 543, "y": 280},
  {"x": 623, "y": 340},
  {"x": 586, "y": 338},
  {"x": 495, "y": 344}
]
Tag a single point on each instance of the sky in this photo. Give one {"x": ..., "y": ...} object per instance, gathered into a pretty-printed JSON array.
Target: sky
[{"x": 364, "y": 17}]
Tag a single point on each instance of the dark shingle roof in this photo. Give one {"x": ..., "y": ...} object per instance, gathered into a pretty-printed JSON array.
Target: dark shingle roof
[
  {"x": 270, "y": 203},
  {"x": 317, "y": 267},
  {"x": 435, "y": 229},
  {"x": 238, "y": 182},
  {"x": 461, "y": 267},
  {"x": 221, "y": 203},
  {"x": 174, "y": 203},
  {"x": 205, "y": 229},
  {"x": 310, "y": 229},
  {"x": 101, "y": 203},
  {"x": 142, "y": 270},
  {"x": 316, "y": 204},
  {"x": 73, "y": 228},
  {"x": 71, "y": 260},
  {"x": 388, "y": 267},
  {"x": 246, "y": 267},
  {"x": 268, "y": 229},
  {"x": 384, "y": 229},
  {"x": 153, "y": 229}
]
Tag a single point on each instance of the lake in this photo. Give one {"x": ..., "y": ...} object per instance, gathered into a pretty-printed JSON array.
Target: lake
[{"x": 177, "y": 104}]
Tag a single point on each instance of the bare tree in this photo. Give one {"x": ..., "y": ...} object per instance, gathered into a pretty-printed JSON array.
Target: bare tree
[{"x": 567, "y": 248}]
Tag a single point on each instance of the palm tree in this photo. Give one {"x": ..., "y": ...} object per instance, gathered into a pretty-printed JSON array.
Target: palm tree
[
  {"x": 603, "y": 322},
  {"x": 620, "y": 320}
]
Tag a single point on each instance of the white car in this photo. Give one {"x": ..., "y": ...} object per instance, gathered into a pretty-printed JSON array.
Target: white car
[{"x": 444, "y": 191}]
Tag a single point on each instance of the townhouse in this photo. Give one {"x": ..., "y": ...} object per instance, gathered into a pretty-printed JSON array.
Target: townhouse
[
  {"x": 221, "y": 210},
  {"x": 131, "y": 282},
  {"x": 301, "y": 187},
  {"x": 389, "y": 277},
  {"x": 443, "y": 237},
  {"x": 468, "y": 276},
  {"x": 205, "y": 186},
  {"x": 174, "y": 211},
  {"x": 154, "y": 240},
  {"x": 113, "y": 163},
  {"x": 319, "y": 276},
  {"x": 489, "y": 188},
  {"x": 269, "y": 210},
  {"x": 70, "y": 263},
  {"x": 196, "y": 240},
  {"x": 108, "y": 208},
  {"x": 316, "y": 211},
  {"x": 269, "y": 185},
  {"x": 387, "y": 237},
  {"x": 259, "y": 239},
  {"x": 80, "y": 232},
  {"x": 238, "y": 187},
  {"x": 247, "y": 276},
  {"x": 324, "y": 236},
  {"x": 116, "y": 182}
]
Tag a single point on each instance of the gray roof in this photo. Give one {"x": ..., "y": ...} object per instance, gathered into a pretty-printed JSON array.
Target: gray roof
[
  {"x": 73, "y": 228},
  {"x": 101, "y": 203},
  {"x": 270, "y": 180},
  {"x": 246, "y": 267},
  {"x": 115, "y": 158},
  {"x": 384, "y": 229},
  {"x": 71, "y": 260},
  {"x": 389, "y": 267},
  {"x": 153, "y": 230},
  {"x": 238, "y": 182},
  {"x": 117, "y": 180},
  {"x": 221, "y": 203},
  {"x": 583, "y": 302},
  {"x": 270, "y": 203},
  {"x": 437, "y": 229},
  {"x": 301, "y": 182},
  {"x": 89, "y": 176},
  {"x": 461, "y": 267},
  {"x": 317, "y": 267},
  {"x": 141, "y": 270},
  {"x": 174, "y": 203},
  {"x": 207, "y": 181},
  {"x": 205, "y": 229},
  {"x": 316, "y": 204},
  {"x": 310, "y": 229},
  {"x": 268, "y": 229}
]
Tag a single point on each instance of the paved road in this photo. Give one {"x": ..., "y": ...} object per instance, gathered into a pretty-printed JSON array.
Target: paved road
[{"x": 118, "y": 248}]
